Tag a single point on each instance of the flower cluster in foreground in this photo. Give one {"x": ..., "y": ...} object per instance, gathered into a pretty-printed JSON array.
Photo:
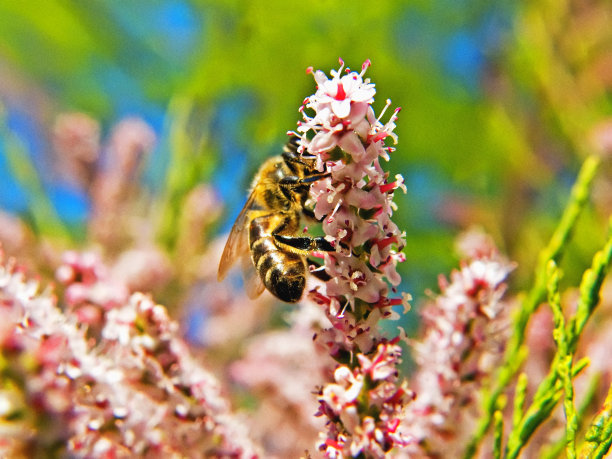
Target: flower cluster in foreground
[
  {"x": 365, "y": 401},
  {"x": 106, "y": 380}
]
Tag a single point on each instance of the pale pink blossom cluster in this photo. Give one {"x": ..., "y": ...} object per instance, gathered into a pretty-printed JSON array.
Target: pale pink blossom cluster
[
  {"x": 365, "y": 406},
  {"x": 76, "y": 140},
  {"x": 464, "y": 333},
  {"x": 355, "y": 204},
  {"x": 116, "y": 181},
  {"x": 89, "y": 288},
  {"x": 133, "y": 390}
]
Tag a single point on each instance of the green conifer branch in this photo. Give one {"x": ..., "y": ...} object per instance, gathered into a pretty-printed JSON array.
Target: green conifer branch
[
  {"x": 519, "y": 400},
  {"x": 499, "y": 435},
  {"x": 598, "y": 437},
  {"x": 555, "y": 450},
  {"x": 564, "y": 367},
  {"x": 590, "y": 288},
  {"x": 559, "y": 378},
  {"x": 516, "y": 352}
]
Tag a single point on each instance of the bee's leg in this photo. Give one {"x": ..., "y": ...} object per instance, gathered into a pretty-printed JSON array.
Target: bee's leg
[
  {"x": 291, "y": 185},
  {"x": 292, "y": 145},
  {"x": 310, "y": 214},
  {"x": 293, "y": 182},
  {"x": 290, "y": 155},
  {"x": 318, "y": 270},
  {"x": 298, "y": 162},
  {"x": 304, "y": 244}
]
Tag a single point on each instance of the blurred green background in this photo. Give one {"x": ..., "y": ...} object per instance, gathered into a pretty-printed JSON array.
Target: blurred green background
[{"x": 500, "y": 102}]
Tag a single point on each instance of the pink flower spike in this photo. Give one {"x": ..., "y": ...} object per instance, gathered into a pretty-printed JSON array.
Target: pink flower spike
[
  {"x": 463, "y": 334},
  {"x": 85, "y": 384},
  {"x": 355, "y": 204}
]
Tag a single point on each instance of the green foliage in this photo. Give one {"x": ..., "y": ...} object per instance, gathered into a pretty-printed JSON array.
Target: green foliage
[
  {"x": 45, "y": 220},
  {"x": 192, "y": 160},
  {"x": 515, "y": 351},
  {"x": 499, "y": 434},
  {"x": 562, "y": 371},
  {"x": 598, "y": 437}
]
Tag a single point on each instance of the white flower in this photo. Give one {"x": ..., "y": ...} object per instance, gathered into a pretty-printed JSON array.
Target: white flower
[{"x": 344, "y": 95}]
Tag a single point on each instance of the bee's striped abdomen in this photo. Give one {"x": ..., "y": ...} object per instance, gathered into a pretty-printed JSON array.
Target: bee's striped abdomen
[{"x": 283, "y": 273}]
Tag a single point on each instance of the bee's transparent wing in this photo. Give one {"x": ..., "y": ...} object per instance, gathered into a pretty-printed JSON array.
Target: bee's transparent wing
[
  {"x": 253, "y": 284},
  {"x": 237, "y": 248},
  {"x": 237, "y": 243}
]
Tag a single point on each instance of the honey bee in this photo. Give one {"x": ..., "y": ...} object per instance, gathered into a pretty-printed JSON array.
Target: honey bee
[{"x": 268, "y": 226}]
